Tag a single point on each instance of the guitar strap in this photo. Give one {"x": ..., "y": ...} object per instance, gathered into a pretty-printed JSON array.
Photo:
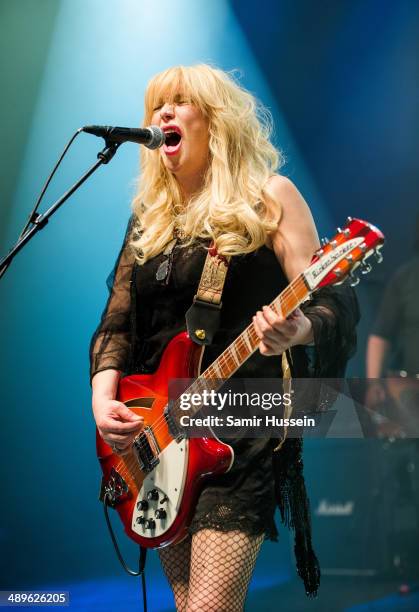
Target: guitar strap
[{"x": 203, "y": 317}]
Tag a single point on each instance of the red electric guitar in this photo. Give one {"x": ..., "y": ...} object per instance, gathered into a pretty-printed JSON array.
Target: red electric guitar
[{"x": 155, "y": 486}]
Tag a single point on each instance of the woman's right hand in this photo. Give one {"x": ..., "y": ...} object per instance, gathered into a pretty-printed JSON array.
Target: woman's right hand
[{"x": 117, "y": 424}]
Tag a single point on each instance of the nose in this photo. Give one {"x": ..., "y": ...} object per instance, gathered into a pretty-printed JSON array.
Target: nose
[{"x": 167, "y": 111}]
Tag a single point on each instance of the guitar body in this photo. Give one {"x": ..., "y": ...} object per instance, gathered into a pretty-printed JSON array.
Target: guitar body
[{"x": 173, "y": 485}]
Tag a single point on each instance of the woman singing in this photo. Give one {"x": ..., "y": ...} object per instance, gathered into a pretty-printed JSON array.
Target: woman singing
[{"x": 215, "y": 181}]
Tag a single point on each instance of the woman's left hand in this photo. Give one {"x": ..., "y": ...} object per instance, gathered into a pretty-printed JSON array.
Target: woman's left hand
[{"x": 277, "y": 334}]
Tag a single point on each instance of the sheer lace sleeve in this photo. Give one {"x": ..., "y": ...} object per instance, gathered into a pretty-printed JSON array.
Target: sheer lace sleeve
[
  {"x": 334, "y": 314},
  {"x": 110, "y": 347}
]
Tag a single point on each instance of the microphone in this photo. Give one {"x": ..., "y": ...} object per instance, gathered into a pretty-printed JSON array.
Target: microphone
[{"x": 152, "y": 137}]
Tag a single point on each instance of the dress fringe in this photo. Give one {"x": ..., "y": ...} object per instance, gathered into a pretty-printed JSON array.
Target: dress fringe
[{"x": 294, "y": 508}]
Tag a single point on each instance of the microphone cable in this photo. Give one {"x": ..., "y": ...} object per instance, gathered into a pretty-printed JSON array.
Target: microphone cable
[{"x": 33, "y": 215}]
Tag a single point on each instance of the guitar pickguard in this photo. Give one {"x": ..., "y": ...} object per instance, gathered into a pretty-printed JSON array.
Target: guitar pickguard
[{"x": 166, "y": 482}]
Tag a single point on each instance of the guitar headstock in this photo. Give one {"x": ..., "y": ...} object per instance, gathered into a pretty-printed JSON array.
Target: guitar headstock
[{"x": 348, "y": 250}]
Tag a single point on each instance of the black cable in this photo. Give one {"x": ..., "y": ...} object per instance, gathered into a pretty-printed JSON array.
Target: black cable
[
  {"x": 34, "y": 216},
  {"x": 47, "y": 182},
  {"x": 141, "y": 564},
  {"x": 142, "y": 558}
]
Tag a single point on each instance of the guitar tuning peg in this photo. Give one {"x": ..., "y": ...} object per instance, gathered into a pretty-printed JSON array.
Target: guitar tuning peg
[
  {"x": 338, "y": 229},
  {"x": 324, "y": 241},
  {"x": 348, "y": 219},
  {"x": 365, "y": 267},
  {"x": 377, "y": 255},
  {"x": 354, "y": 280}
]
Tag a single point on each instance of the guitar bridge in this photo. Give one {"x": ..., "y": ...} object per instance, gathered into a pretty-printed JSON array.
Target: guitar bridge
[{"x": 147, "y": 450}]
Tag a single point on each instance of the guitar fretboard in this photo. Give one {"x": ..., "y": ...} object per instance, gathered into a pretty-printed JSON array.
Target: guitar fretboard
[{"x": 234, "y": 356}]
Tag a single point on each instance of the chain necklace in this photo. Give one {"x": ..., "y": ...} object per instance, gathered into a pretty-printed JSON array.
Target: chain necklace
[{"x": 179, "y": 220}]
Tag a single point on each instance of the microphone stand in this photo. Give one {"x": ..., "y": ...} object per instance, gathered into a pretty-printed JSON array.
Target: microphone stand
[{"x": 39, "y": 221}]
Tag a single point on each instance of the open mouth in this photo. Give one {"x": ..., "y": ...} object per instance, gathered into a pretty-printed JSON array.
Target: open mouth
[{"x": 173, "y": 140}]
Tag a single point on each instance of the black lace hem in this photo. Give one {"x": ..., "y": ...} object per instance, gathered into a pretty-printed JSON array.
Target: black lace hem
[{"x": 226, "y": 518}]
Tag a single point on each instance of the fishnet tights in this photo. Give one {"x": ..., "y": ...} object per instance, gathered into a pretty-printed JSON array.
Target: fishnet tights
[{"x": 211, "y": 571}]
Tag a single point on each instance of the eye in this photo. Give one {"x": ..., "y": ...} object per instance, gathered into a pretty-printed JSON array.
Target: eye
[
  {"x": 158, "y": 104},
  {"x": 181, "y": 100}
]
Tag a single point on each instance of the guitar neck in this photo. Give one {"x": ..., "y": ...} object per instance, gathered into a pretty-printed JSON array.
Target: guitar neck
[
  {"x": 234, "y": 356},
  {"x": 331, "y": 264}
]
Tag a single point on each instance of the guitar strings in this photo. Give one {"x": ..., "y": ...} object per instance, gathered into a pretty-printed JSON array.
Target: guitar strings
[
  {"x": 223, "y": 358},
  {"x": 226, "y": 356}
]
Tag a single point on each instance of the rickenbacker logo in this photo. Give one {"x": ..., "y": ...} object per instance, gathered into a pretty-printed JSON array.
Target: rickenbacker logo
[
  {"x": 319, "y": 269},
  {"x": 325, "y": 508}
]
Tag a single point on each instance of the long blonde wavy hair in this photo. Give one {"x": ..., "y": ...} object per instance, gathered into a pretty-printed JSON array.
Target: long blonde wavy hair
[{"x": 231, "y": 207}]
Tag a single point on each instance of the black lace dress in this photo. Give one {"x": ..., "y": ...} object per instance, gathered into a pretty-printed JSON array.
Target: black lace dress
[{"x": 143, "y": 314}]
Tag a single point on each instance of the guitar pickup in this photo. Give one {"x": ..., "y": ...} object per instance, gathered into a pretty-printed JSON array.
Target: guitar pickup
[
  {"x": 174, "y": 429},
  {"x": 147, "y": 450}
]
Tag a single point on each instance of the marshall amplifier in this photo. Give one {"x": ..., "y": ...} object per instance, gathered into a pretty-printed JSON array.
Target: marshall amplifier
[{"x": 364, "y": 497}]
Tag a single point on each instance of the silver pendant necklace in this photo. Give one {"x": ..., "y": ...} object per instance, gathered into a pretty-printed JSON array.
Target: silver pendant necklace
[{"x": 164, "y": 269}]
